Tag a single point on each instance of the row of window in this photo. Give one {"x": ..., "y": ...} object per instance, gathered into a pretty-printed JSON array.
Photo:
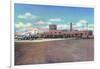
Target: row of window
[{"x": 66, "y": 35}]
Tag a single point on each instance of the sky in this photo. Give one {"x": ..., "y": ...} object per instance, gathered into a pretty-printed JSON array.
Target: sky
[{"x": 29, "y": 16}]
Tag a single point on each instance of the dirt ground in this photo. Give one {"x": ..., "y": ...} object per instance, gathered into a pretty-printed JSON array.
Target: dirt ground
[{"x": 71, "y": 50}]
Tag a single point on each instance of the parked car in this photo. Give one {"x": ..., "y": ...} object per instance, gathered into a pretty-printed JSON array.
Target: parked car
[
  {"x": 20, "y": 37},
  {"x": 26, "y": 37}
]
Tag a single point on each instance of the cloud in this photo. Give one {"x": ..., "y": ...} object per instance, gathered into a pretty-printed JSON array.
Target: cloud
[
  {"x": 84, "y": 25},
  {"x": 27, "y": 15},
  {"x": 62, "y": 26},
  {"x": 78, "y": 25},
  {"x": 28, "y": 25},
  {"x": 55, "y": 19},
  {"x": 49, "y": 23},
  {"x": 91, "y": 27},
  {"x": 83, "y": 21},
  {"x": 39, "y": 22},
  {"x": 23, "y": 26},
  {"x": 19, "y": 25}
]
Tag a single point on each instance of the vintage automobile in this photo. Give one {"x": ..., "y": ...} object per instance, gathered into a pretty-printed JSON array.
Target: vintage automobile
[{"x": 26, "y": 37}]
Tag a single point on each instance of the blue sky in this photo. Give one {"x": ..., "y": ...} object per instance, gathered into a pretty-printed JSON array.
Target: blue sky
[{"x": 40, "y": 16}]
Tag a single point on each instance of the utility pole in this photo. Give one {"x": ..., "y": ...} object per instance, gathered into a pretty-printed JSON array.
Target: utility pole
[{"x": 71, "y": 27}]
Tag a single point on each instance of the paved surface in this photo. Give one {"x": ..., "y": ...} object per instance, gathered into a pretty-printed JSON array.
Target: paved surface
[
  {"x": 40, "y": 40},
  {"x": 71, "y": 50}
]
